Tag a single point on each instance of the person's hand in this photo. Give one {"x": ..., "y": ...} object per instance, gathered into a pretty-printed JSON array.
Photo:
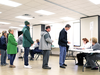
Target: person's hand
[
  {"x": 68, "y": 42},
  {"x": 31, "y": 44},
  {"x": 83, "y": 48}
]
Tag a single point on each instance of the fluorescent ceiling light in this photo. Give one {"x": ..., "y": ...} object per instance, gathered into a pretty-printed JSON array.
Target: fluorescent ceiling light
[
  {"x": 67, "y": 18},
  {"x": 0, "y": 12},
  {"x": 13, "y": 27},
  {"x": 44, "y": 12},
  {"x": 23, "y": 17},
  {"x": 95, "y": 1},
  {"x": 4, "y": 23},
  {"x": 22, "y": 25},
  {"x": 10, "y": 3},
  {"x": 46, "y": 22}
]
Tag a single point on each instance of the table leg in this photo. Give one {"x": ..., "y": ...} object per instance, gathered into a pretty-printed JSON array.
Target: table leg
[
  {"x": 71, "y": 54},
  {"x": 84, "y": 66}
]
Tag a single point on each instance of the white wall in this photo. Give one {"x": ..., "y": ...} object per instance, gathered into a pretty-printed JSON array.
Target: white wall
[
  {"x": 77, "y": 33},
  {"x": 3, "y": 30},
  {"x": 55, "y": 29}
]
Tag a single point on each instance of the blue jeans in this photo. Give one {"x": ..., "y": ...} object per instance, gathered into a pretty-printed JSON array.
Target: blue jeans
[
  {"x": 3, "y": 56},
  {"x": 12, "y": 58},
  {"x": 26, "y": 52},
  {"x": 8, "y": 56},
  {"x": 62, "y": 55}
]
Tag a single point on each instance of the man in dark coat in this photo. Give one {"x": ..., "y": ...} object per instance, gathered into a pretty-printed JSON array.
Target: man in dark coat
[{"x": 63, "y": 44}]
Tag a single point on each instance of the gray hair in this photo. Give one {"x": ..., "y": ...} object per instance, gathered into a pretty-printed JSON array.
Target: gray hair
[
  {"x": 68, "y": 25},
  {"x": 4, "y": 32},
  {"x": 10, "y": 30}
]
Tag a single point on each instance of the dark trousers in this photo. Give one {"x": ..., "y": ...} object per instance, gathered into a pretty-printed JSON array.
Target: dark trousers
[
  {"x": 32, "y": 52},
  {"x": 46, "y": 54},
  {"x": 80, "y": 58},
  {"x": 3, "y": 56},
  {"x": 26, "y": 52},
  {"x": 8, "y": 56},
  {"x": 92, "y": 58},
  {"x": 12, "y": 58}
]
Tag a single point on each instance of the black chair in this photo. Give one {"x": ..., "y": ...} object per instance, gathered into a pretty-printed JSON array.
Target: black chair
[{"x": 37, "y": 55}]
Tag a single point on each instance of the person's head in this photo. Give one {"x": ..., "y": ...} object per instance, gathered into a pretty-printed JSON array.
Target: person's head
[
  {"x": 27, "y": 23},
  {"x": 37, "y": 40},
  {"x": 11, "y": 31},
  {"x": 48, "y": 28},
  {"x": 85, "y": 40},
  {"x": 94, "y": 40},
  {"x": 4, "y": 33},
  {"x": 67, "y": 27},
  {"x": 22, "y": 33}
]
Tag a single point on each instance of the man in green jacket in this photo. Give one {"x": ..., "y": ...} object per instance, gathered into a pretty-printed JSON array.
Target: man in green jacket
[{"x": 27, "y": 42}]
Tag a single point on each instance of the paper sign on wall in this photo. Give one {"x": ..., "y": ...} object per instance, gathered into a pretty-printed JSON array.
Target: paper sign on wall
[{"x": 91, "y": 25}]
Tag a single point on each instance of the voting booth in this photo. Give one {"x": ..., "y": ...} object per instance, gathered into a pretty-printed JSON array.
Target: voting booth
[
  {"x": 36, "y": 31},
  {"x": 90, "y": 27}
]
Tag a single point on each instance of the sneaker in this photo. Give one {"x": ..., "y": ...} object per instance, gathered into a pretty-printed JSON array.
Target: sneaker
[
  {"x": 79, "y": 64},
  {"x": 20, "y": 57},
  {"x": 3, "y": 65},
  {"x": 88, "y": 66},
  {"x": 31, "y": 59},
  {"x": 27, "y": 66},
  {"x": 47, "y": 67},
  {"x": 64, "y": 64},
  {"x": 62, "y": 67},
  {"x": 95, "y": 68},
  {"x": 6, "y": 63}
]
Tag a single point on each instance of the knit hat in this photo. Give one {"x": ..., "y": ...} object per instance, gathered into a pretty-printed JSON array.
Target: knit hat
[{"x": 26, "y": 23}]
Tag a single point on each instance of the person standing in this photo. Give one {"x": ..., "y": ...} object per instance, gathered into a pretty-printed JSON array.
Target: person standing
[
  {"x": 11, "y": 47},
  {"x": 27, "y": 42},
  {"x": 3, "y": 48},
  {"x": 63, "y": 44},
  {"x": 0, "y": 35},
  {"x": 20, "y": 42},
  {"x": 7, "y": 42},
  {"x": 45, "y": 46}
]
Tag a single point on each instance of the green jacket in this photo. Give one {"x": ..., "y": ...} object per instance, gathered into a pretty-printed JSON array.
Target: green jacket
[
  {"x": 27, "y": 40},
  {"x": 12, "y": 44}
]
